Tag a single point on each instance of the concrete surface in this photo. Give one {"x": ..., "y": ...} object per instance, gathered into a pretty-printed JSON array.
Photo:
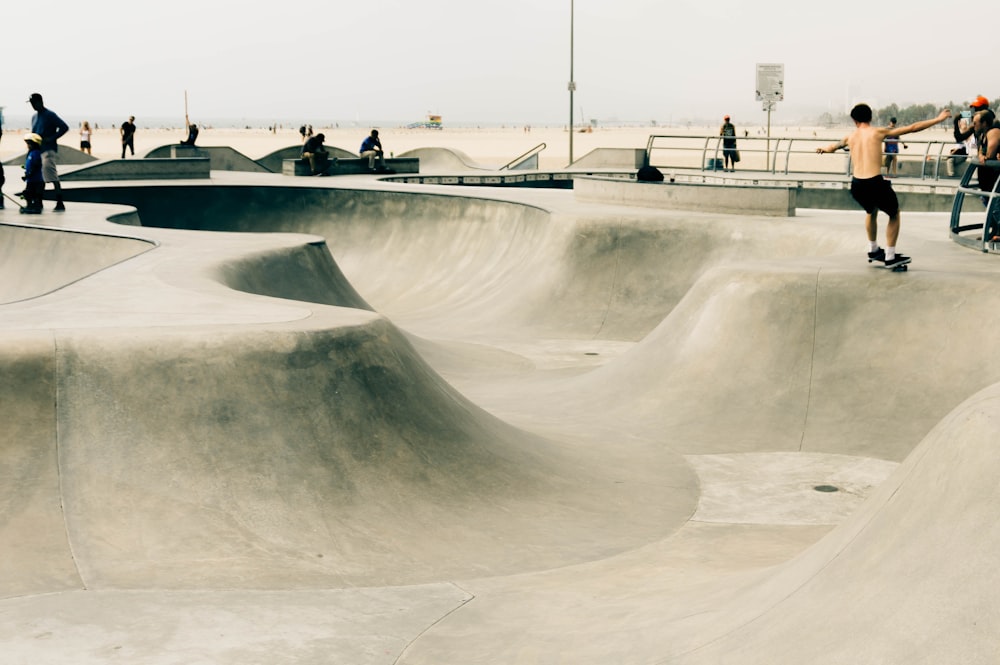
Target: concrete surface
[
  {"x": 742, "y": 199},
  {"x": 295, "y": 422},
  {"x": 183, "y": 168}
]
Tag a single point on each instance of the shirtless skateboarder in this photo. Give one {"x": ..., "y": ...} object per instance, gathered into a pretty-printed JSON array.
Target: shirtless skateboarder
[{"x": 868, "y": 187}]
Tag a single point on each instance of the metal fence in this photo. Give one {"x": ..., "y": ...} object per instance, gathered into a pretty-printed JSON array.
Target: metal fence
[
  {"x": 783, "y": 155},
  {"x": 989, "y": 227}
]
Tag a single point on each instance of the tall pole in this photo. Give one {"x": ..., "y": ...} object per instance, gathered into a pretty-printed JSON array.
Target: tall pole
[
  {"x": 572, "y": 83},
  {"x": 769, "y": 106}
]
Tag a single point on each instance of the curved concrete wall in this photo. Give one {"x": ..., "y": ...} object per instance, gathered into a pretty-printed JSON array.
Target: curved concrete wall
[{"x": 35, "y": 261}]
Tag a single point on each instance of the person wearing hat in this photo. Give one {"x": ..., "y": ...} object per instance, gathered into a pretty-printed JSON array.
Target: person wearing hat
[
  {"x": 729, "y": 154},
  {"x": 50, "y": 127},
  {"x": 34, "y": 183},
  {"x": 980, "y": 103}
]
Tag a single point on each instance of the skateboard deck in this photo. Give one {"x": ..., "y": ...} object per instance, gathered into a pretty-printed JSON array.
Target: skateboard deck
[
  {"x": 898, "y": 267},
  {"x": 13, "y": 200}
]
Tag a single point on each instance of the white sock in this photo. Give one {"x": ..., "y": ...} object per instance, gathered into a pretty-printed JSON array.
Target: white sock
[
  {"x": 890, "y": 253},
  {"x": 873, "y": 246}
]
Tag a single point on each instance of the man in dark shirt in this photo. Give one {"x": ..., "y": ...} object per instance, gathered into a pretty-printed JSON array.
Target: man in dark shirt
[
  {"x": 314, "y": 151},
  {"x": 128, "y": 135},
  {"x": 50, "y": 127},
  {"x": 2, "y": 177}
]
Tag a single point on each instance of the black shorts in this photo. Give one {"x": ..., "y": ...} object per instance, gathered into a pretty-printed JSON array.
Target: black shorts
[{"x": 874, "y": 194}]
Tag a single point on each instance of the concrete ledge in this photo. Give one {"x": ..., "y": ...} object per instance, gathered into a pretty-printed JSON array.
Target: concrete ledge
[
  {"x": 142, "y": 169},
  {"x": 730, "y": 199},
  {"x": 604, "y": 158},
  {"x": 356, "y": 165}
]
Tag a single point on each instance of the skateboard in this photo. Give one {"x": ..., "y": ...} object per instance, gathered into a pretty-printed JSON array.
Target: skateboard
[
  {"x": 13, "y": 200},
  {"x": 898, "y": 267}
]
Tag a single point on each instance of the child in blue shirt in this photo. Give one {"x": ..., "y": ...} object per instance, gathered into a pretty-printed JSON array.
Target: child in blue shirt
[{"x": 34, "y": 184}]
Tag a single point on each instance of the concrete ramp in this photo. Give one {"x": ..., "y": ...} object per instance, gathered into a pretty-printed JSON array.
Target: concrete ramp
[
  {"x": 67, "y": 156},
  {"x": 389, "y": 423},
  {"x": 909, "y": 578},
  {"x": 444, "y": 160},
  {"x": 35, "y": 261},
  {"x": 222, "y": 158}
]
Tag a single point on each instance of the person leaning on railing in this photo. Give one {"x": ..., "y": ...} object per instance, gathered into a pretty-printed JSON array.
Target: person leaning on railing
[{"x": 984, "y": 124}]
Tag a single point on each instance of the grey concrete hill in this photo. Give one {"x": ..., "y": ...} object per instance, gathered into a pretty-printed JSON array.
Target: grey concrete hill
[{"x": 252, "y": 418}]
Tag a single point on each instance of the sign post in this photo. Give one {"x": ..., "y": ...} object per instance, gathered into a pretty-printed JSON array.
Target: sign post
[{"x": 770, "y": 90}]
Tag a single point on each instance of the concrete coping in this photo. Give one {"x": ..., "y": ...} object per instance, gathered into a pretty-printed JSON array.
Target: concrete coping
[{"x": 772, "y": 201}]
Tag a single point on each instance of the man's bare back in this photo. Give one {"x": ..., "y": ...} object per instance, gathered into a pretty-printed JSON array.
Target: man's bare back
[
  {"x": 868, "y": 187},
  {"x": 865, "y": 144}
]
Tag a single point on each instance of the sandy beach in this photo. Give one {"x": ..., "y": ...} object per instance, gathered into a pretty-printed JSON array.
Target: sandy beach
[{"x": 487, "y": 146}]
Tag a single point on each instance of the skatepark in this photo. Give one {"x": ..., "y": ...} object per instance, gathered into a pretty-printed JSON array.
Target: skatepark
[{"x": 260, "y": 419}]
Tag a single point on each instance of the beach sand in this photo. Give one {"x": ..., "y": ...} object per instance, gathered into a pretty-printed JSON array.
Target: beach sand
[{"x": 489, "y": 147}]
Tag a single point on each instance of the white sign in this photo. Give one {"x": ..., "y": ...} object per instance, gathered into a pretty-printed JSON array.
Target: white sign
[{"x": 770, "y": 82}]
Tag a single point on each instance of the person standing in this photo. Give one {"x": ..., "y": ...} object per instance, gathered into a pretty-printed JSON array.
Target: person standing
[
  {"x": 729, "y": 155},
  {"x": 128, "y": 135},
  {"x": 50, "y": 127},
  {"x": 978, "y": 104},
  {"x": 3, "y": 178},
  {"x": 892, "y": 151},
  {"x": 85, "y": 138},
  {"x": 868, "y": 187},
  {"x": 371, "y": 148},
  {"x": 34, "y": 185}
]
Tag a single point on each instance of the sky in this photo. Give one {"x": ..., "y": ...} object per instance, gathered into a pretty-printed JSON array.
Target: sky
[{"x": 489, "y": 63}]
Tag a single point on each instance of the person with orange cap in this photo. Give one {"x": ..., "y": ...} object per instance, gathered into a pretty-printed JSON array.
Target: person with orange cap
[{"x": 980, "y": 103}]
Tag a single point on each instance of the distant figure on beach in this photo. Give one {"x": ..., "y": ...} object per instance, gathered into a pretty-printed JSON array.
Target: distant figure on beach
[
  {"x": 128, "y": 135},
  {"x": 192, "y": 134},
  {"x": 3, "y": 178},
  {"x": 868, "y": 187},
  {"x": 317, "y": 154},
  {"x": 892, "y": 151},
  {"x": 371, "y": 148},
  {"x": 85, "y": 137},
  {"x": 302, "y": 133},
  {"x": 50, "y": 127},
  {"x": 729, "y": 153}
]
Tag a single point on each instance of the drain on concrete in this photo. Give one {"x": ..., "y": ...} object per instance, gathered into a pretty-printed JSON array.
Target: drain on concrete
[{"x": 826, "y": 488}]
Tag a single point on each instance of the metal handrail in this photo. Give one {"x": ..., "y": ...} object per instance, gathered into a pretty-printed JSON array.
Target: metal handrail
[
  {"x": 991, "y": 200},
  {"x": 534, "y": 151}
]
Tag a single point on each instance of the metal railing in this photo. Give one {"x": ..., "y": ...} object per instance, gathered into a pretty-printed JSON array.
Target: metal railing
[
  {"x": 785, "y": 155},
  {"x": 521, "y": 158},
  {"x": 991, "y": 202}
]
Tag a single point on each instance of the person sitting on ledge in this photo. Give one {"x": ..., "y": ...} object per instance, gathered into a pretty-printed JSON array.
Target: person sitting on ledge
[
  {"x": 317, "y": 154},
  {"x": 371, "y": 148},
  {"x": 192, "y": 135}
]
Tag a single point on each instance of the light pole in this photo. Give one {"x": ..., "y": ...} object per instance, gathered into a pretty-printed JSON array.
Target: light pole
[{"x": 572, "y": 83}]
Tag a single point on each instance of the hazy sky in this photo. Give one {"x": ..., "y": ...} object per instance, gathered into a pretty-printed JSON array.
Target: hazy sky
[{"x": 325, "y": 61}]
